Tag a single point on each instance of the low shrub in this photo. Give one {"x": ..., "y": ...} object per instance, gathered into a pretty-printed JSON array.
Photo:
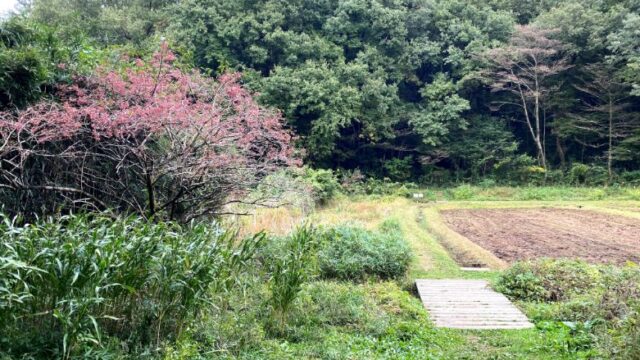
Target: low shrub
[
  {"x": 620, "y": 291},
  {"x": 353, "y": 253},
  {"x": 335, "y": 304},
  {"x": 373, "y": 186},
  {"x": 324, "y": 183},
  {"x": 547, "y": 279},
  {"x": 578, "y": 173},
  {"x": 630, "y": 178},
  {"x": 574, "y": 338},
  {"x": 627, "y": 337},
  {"x": 463, "y": 192},
  {"x": 68, "y": 285},
  {"x": 588, "y": 311}
]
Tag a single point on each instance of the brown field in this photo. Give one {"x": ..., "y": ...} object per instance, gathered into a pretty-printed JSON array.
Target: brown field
[{"x": 518, "y": 234}]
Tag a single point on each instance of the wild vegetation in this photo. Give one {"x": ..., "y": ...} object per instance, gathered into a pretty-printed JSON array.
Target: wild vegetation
[{"x": 212, "y": 179}]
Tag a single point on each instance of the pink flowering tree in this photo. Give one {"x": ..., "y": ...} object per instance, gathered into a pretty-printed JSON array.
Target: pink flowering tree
[{"x": 150, "y": 139}]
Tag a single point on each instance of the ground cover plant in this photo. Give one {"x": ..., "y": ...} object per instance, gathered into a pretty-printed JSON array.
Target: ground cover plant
[{"x": 591, "y": 311}]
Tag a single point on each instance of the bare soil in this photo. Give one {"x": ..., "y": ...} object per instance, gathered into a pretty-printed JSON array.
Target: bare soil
[{"x": 519, "y": 234}]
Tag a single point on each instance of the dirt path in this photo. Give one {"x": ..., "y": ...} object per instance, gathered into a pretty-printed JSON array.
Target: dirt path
[{"x": 516, "y": 234}]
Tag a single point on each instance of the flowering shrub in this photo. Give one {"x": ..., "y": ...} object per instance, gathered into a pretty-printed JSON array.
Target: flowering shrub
[{"x": 151, "y": 139}]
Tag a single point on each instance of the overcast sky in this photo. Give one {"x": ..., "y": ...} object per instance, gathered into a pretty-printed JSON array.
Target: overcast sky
[{"x": 6, "y": 5}]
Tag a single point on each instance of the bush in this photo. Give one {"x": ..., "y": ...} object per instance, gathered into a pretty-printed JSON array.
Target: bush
[
  {"x": 324, "y": 183},
  {"x": 630, "y": 178},
  {"x": 199, "y": 144},
  {"x": 627, "y": 337},
  {"x": 463, "y": 192},
  {"x": 578, "y": 173},
  {"x": 547, "y": 279},
  {"x": 352, "y": 253},
  {"x": 520, "y": 169},
  {"x": 620, "y": 291},
  {"x": 88, "y": 278}
]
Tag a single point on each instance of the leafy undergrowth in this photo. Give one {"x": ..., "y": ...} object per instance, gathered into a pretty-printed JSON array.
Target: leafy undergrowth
[
  {"x": 341, "y": 320},
  {"x": 584, "y": 311},
  {"x": 330, "y": 320}
]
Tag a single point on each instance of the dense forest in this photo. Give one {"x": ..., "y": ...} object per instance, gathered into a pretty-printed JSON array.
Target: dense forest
[{"x": 434, "y": 91}]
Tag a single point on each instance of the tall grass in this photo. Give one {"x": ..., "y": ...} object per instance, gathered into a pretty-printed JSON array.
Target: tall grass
[
  {"x": 68, "y": 284},
  {"x": 289, "y": 271}
]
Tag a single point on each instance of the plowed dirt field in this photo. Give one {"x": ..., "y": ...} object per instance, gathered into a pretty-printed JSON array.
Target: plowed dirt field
[{"x": 518, "y": 234}]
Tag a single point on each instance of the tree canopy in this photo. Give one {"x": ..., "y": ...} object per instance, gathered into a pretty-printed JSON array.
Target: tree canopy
[{"x": 364, "y": 82}]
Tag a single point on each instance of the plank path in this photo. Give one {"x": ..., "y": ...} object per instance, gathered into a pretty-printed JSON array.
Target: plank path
[{"x": 469, "y": 304}]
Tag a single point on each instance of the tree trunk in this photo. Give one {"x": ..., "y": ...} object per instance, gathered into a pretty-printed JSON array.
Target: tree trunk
[
  {"x": 561, "y": 153},
  {"x": 610, "y": 149}
]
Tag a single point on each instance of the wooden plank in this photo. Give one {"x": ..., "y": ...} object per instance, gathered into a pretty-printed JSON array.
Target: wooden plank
[{"x": 469, "y": 304}]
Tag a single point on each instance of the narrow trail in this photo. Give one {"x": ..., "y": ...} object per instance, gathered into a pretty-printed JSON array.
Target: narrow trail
[
  {"x": 469, "y": 304},
  {"x": 453, "y": 302}
]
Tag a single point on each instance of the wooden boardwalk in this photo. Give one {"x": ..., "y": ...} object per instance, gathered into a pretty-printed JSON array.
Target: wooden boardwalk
[{"x": 469, "y": 304}]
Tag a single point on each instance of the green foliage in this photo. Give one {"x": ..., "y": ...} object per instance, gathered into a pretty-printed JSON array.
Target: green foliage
[
  {"x": 470, "y": 150},
  {"x": 583, "y": 310},
  {"x": 350, "y": 76},
  {"x": 547, "y": 279},
  {"x": 462, "y": 192},
  {"x": 442, "y": 113},
  {"x": 29, "y": 55},
  {"x": 373, "y": 186},
  {"x": 324, "y": 184},
  {"x": 88, "y": 278},
  {"x": 398, "y": 169},
  {"x": 108, "y": 23},
  {"x": 352, "y": 253},
  {"x": 622, "y": 43},
  {"x": 289, "y": 272},
  {"x": 570, "y": 337},
  {"x": 521, "y": 169},
  {"x": 578, "y": 173},
  {"x": 583, "y": 174},
  {"x": 627, "y": 337},
  {"x": 630, "y": 178},
  {"x": 393, "y": 88}
]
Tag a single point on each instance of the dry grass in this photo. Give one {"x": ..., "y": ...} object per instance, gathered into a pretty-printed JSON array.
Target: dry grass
[
  {"x": 276, "y": 221},
  {"x": 367, "y": 213}
]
